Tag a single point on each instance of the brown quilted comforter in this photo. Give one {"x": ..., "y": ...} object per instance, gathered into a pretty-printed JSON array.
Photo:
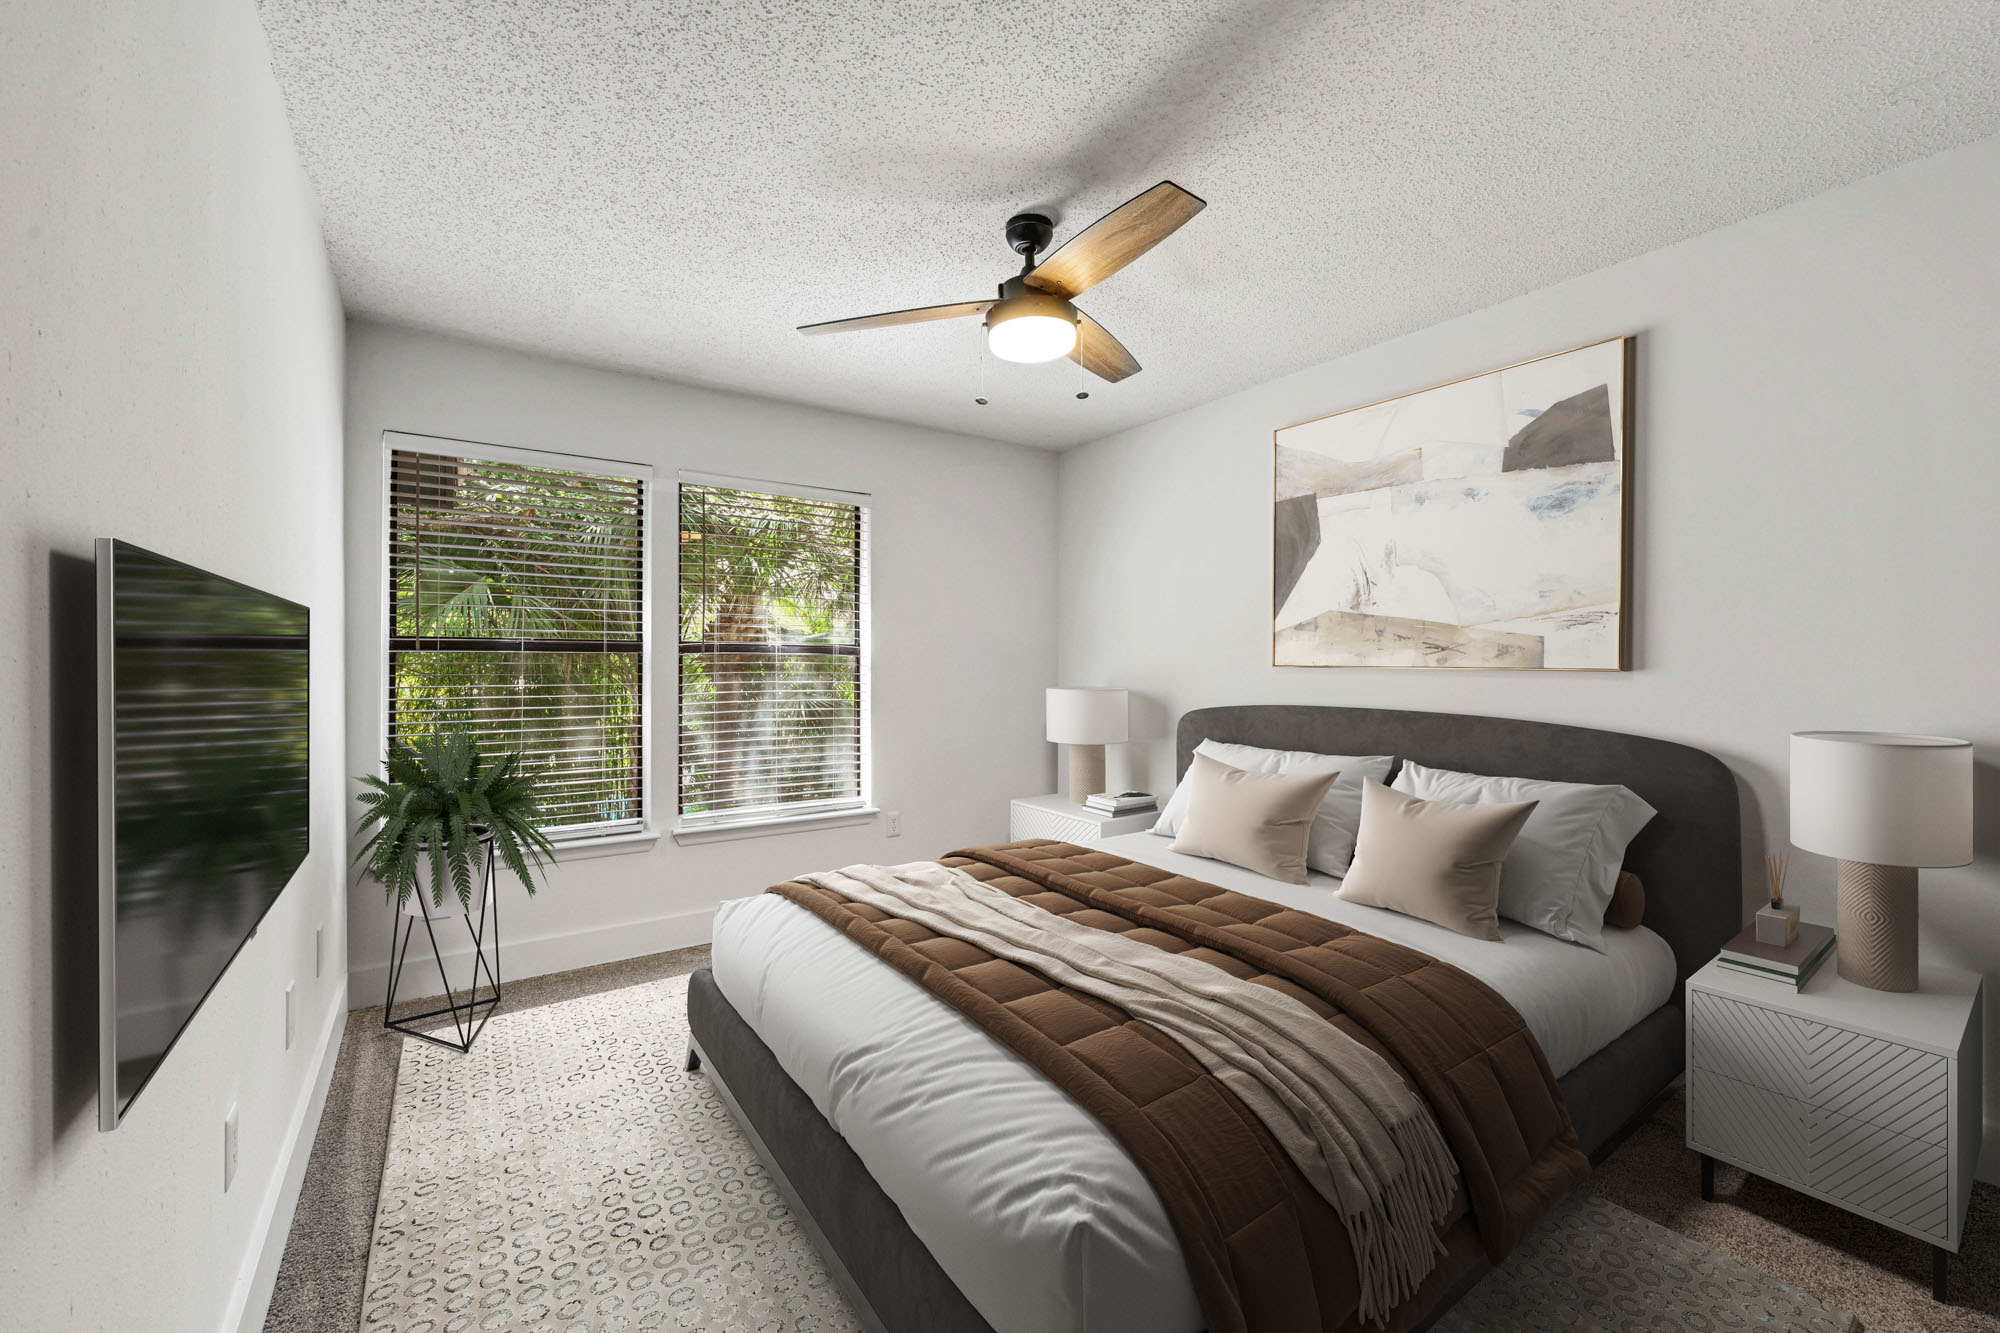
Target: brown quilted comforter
[{"x": 1265, "y": 1251}]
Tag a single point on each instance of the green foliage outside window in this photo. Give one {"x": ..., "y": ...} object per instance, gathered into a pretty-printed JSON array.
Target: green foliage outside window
[
  {"x": 515, "y": 617},
  {"x": 770, "y": 660}
]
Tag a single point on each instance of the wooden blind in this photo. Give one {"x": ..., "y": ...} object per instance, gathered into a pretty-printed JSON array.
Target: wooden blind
[
  {"x": 517, "y": 611},
  {"x": 773, "y": 686}
]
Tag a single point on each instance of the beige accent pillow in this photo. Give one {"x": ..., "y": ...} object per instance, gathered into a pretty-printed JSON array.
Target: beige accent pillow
[
  {"x": 1260, "y": 821},
  {"x": 1435, "y": 860}
]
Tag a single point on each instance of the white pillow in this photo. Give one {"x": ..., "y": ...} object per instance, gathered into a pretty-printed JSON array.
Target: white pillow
[
  {"x": 1331, "y": 847},
  {"x": 1562, "y": 870}
]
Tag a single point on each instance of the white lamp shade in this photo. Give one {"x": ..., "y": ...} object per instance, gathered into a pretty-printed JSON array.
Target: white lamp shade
[
  {"x": 1087, "y": 717},
  {"x": 1883, "y": 798}
]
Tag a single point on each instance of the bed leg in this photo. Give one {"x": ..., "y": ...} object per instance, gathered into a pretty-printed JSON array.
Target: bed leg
[
  {"x": 1707, "y": 1178},
  {"x": 693, "y": 1065},
  {"x": 1940, "y": 1272}
]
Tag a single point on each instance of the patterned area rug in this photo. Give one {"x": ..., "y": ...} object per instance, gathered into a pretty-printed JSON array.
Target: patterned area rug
[{"x": 568, "y": 1175}]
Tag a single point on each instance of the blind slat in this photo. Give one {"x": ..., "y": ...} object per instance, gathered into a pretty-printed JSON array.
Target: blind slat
[
  {"x": 580, "y": 578},
  {"x": 797, "y": 760},
  {"x": 499, "y": 548}
]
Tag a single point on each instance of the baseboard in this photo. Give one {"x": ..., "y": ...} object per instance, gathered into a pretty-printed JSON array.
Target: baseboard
[
  {"x": 258, "y": 1278},
  {"x": 368, "y": 986}
]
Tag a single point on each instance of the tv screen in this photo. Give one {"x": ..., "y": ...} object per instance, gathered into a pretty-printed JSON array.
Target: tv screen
[{"x": 202, "y": 793}]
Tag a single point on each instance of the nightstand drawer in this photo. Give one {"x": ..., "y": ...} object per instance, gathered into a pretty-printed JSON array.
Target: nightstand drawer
[
  {"x": 1753, "y": 1045},
  {"x": 1835, "y": 1069},
  {"x": 1030, "y": 821},
  {"x": 1880, "y": 1172},
  {"x": 1881, "y": 1082},
  {"x": 1751, "y": 1126}
]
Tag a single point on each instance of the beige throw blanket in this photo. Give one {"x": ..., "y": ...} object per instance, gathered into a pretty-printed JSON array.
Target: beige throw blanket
[{"x": 1364, "y": 1139}]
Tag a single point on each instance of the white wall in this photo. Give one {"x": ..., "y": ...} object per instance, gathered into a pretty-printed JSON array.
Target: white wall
[
  {"x": 1818, "y": 465},
  {"x": 170, "y": 373},
  {"x": 963, "y": 535}
]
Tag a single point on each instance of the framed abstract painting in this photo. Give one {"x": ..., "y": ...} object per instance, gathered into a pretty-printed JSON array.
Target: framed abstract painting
[{"x": 1483, "y": 524}]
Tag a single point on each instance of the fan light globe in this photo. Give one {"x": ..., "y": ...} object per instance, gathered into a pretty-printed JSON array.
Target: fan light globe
[{"x": 1030, "y": 327}]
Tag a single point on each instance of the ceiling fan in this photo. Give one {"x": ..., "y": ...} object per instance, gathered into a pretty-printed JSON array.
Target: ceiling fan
[{"x": 1034, "y": 318}]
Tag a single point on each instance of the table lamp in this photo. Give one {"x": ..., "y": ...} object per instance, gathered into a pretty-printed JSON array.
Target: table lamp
[
  {"x": 1086, "y": 721},
  {"x": 1882, "y": 804}
]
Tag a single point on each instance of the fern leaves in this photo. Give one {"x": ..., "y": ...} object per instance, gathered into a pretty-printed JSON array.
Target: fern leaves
[{"x": 438, "y": 798}]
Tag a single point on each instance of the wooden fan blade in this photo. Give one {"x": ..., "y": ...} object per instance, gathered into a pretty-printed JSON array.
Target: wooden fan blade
[
  {"x": 1100, "y": 353},
  {"x": 890, "y": 318},
  {"x": 1115, "y": 240}
]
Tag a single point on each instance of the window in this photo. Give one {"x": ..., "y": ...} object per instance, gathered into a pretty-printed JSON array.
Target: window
[
  {"x": 517, "y": 610},
  {"x": 773, "y": 661}
]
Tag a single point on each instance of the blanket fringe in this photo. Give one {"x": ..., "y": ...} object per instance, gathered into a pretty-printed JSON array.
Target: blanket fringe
[{"x": 1396, "y": 1244}]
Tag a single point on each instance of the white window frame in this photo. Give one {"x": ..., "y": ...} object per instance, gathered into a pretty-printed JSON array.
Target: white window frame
[
  {"x": 717, "y": 828},
  {"x": 632, "y": 835}
]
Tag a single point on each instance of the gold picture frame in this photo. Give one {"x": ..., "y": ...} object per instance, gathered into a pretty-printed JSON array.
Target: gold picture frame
[{"x": 1484, "y": 523}]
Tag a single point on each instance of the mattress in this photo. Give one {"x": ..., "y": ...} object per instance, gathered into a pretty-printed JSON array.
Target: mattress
[{"x": 1026, "y": 1202}]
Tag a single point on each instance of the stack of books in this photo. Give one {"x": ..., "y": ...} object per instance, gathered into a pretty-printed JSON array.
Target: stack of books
[
  {"x": 1123, "y": 803},
  {"x": 1789, "y": 964}
]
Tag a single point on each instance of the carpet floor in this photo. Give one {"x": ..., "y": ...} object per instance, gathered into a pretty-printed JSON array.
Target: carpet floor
[
  {"x": 1879, "y": 1275},
  {"x": 1592, "y": 1265}
]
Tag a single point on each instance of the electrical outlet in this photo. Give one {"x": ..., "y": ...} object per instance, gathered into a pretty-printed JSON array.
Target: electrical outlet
[
  {"x": 291, "y": 1012},
  {"x": 229, "y": 1150},
  {"x": 893, "y": 823},
  {"x": 319, "y": 948}
]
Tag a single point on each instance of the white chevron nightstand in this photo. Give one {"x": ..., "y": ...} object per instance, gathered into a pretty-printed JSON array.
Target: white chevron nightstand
[
  {"x": 1868, "y": 1099},
  {"x": 1054, "y": 817}
]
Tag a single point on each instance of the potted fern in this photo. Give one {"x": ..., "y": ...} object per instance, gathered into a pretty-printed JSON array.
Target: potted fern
[{"x": 440, "y": 804}]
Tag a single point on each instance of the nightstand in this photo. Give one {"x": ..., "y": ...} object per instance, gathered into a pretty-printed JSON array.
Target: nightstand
[
  {"x": 1053, "y": 817},
  {"x": 1867, "y": 1099}
]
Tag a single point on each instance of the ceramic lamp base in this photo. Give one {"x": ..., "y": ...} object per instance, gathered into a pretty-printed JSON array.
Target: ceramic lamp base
[
  {"x": 1086, "y": 772},
  {"x": 1876, "y": 924}
]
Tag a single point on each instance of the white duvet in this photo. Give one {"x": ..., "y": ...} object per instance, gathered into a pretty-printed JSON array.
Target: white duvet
[{"x": 1026, "y": 1202}]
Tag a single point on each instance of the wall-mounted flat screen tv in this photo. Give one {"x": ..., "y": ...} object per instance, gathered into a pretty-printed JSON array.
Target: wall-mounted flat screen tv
[{"x": 203, "y": 793}]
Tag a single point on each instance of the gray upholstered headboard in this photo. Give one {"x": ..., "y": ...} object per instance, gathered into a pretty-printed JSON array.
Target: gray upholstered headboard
[{"x": 1690, "y": 856}]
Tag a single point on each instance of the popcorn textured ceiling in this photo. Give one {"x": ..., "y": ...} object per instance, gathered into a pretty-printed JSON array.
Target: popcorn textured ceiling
[{"x": 670, "y": 188}]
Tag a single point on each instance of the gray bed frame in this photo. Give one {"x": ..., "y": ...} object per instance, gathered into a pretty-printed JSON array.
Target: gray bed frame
[{"x": 1689, "y": 858}]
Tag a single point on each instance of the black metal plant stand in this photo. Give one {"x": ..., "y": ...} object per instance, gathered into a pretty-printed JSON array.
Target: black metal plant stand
[{"x": 468, "y": 1015}]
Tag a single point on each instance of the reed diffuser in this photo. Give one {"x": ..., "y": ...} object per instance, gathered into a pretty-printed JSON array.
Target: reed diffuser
[{"x": 1776, "y": 923}]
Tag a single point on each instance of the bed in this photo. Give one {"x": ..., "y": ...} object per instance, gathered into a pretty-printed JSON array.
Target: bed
[{"x": 877, "y": 1108}]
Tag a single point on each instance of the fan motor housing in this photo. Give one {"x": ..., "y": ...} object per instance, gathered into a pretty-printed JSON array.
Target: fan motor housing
[{"x": 1017, "y": 298}]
